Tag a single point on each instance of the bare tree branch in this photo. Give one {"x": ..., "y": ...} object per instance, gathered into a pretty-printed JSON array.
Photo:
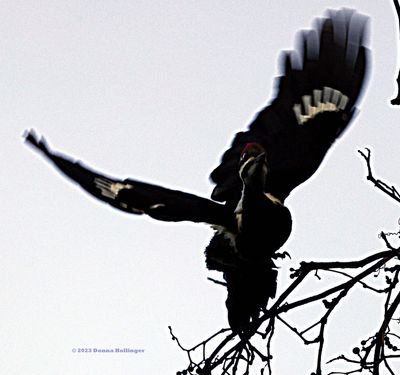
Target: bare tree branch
[
  {"x": 230, "y": 354},
  {"x": 391, "y": 191}
]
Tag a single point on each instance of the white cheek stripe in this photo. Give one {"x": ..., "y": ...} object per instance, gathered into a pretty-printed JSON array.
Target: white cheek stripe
[
  {"x": 244, "y": 165},
  {"x": 325, "y": 100}
]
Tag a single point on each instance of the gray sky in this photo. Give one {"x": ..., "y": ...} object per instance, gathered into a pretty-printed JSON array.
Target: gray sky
[{"x": 156, "y": 91}]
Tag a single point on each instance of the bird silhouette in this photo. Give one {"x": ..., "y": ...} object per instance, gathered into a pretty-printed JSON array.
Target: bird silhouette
[{"x": 282, "y": 147}]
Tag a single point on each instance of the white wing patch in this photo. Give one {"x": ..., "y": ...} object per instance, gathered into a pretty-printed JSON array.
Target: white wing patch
[
  {"x": 157, "y": 205},
  {"x": 325, "y": 100},
  {"x": 109, "y": 188}
]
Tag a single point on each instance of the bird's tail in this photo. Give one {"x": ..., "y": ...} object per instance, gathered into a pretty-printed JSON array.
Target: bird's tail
[
  {"x": 249, "y": 290},
  {"x": 249, "y": 285}
]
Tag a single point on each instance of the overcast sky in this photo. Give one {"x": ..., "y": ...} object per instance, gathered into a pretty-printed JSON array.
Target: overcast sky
[{"x": 156, "y": 90}]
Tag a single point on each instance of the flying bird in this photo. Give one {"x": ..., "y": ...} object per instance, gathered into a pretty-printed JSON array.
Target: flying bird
[{"x": 284, "y": 145}]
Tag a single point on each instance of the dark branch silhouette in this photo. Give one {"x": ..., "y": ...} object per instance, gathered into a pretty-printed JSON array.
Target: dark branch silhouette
[
  {"x": 234, "y": 355},
  {"x": 391, "y": 191}
]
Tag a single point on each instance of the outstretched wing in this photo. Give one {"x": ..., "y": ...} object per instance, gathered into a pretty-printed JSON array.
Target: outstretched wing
[
  {"x": 315, "y": 102},
  {"x": 137, "y": 197}
]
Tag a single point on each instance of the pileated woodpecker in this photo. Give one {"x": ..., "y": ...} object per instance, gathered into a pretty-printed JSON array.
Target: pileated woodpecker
[{"x": 282, "y": 148}]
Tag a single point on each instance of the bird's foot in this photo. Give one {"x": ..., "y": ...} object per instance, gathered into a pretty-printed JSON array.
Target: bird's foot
[{"x": 281, "y": 255}]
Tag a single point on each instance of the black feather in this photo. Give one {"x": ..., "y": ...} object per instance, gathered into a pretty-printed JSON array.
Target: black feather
[{"x": 331, "y": 55}]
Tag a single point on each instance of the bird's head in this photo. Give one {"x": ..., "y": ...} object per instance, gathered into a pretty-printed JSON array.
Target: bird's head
[{"x": 253, "y": 166}]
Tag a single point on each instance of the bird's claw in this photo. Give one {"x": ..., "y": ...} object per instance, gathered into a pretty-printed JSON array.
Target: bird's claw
[{"x": 281, "y": 255}]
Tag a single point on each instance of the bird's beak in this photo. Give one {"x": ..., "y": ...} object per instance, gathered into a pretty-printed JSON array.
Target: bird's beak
[
  {"x": 261, "y": 165},
  {"x": 260, "y": 158}
]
